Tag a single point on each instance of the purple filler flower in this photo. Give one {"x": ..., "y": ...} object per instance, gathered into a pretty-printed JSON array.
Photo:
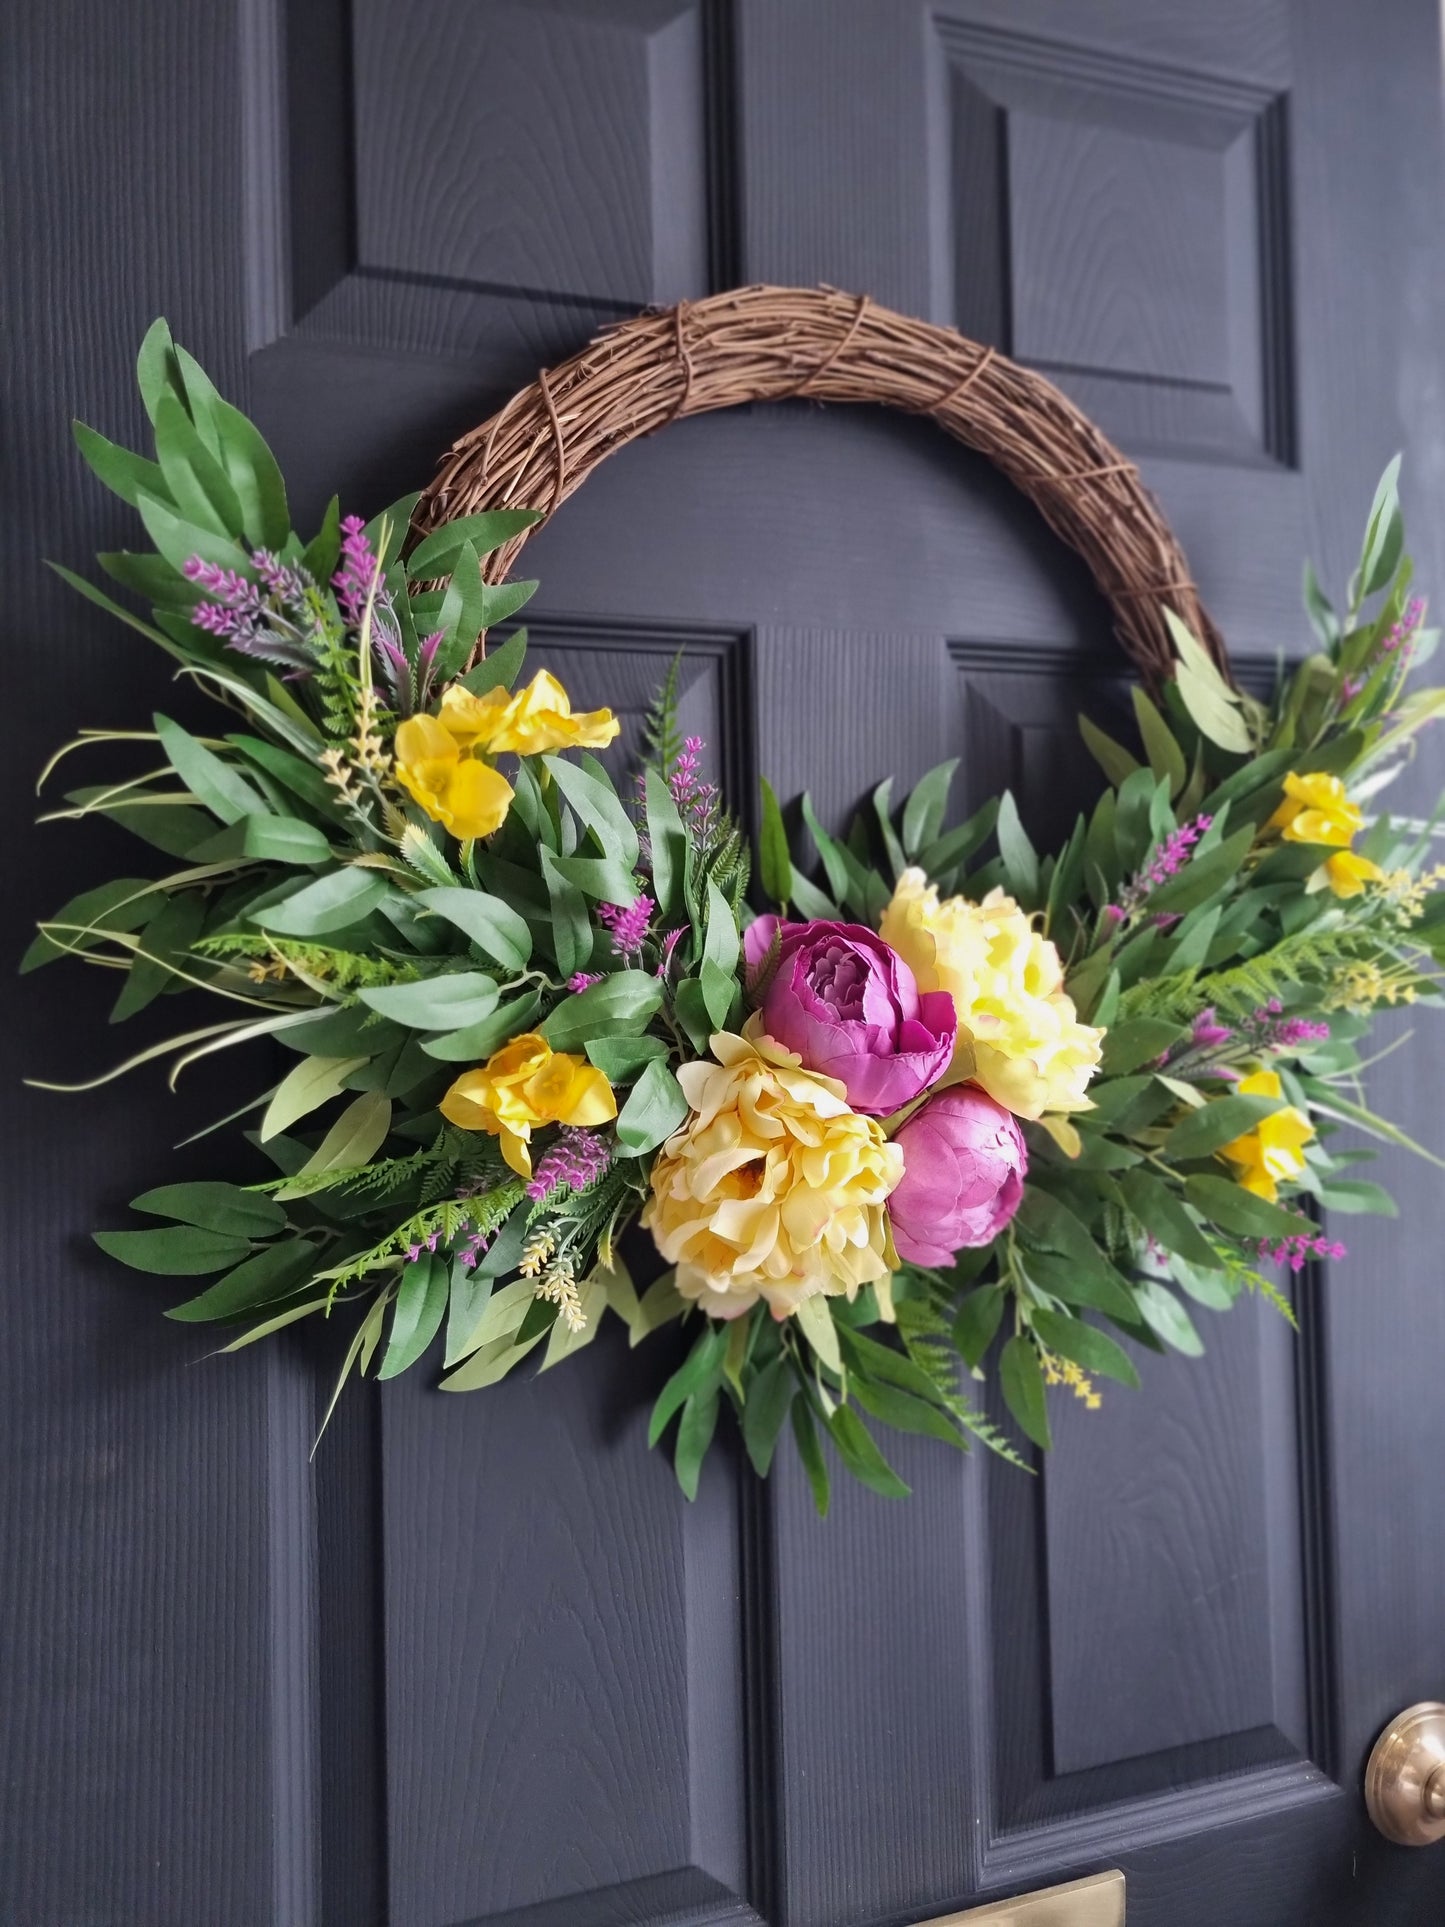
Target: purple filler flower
[
  {"x": 964, "y": 1161},
  {"x": 851, "y": 1008}
]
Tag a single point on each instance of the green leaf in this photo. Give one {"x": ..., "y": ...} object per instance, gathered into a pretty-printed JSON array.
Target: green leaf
[
  {"x": 571, "y": 924},
  {"x": 775, "y": 862},
  {"x": 214, "y": 1207},
  {"x": 598, "y": 806},
  {"x": 1164, "y": 1314},
  {"x": 491, "y": 1363},
  {"x": 815, "y": 1322},
  {"x": 353, "y": 1140},
  {"x": 668, "y": 841},
  {"x": 332, "y": 902},
  {"x": 621, "y": 1058},
  {"x": 720, "y": 957},
  {"x": 859, "y": 1452},
  {"x": 276, "y": 1271},
  {"x": 1021, "y": 1380},
  {"x": 303, "y": 1089},
  {"x": 655, "y": 1108},
  {"x": 691, "y": 1012},
  {"x": 194, "y": 479},
  {"x": 1139, "y": 1040},
  {"x": 769, "y": 1398},
  {"x": 254, "y": 476},
  {"x": 883, "y": 814},
  {"x": 179, "y": 1251},
  {"x": 473, "y": 1042},
  {"x": 421, "y": 1301},
  {"x": 157, "y": 372},
  {"x": 1325, "y": 622},
  {"x": 436, "y": 553},
  {"x": 701, "y": 1369},
  {"x": 977, "y": 1323},
  {"x": 460, "y": 616},
  {"x": 124, "y": 474},
  {"x": 837, "y": 862},
  {"x": 1217, "y": 1123},
  {"x": 269, "y": 839},
  {"x": 166, "y": 944},
  {"x": 1115, "y": 761},
  {"x": 602, "y": 878},
  {"x": 1166, "y": 758},
  {"x": 905, "y": 1413},
  {"x": 113, "y": 608},
  {"x": 499, "y": 668},
  {"x": 492, "y": 925},
  {"x": 1020, "y": 859},
  {"x": 211, "y": 780},
  {"x": 694, "y": 1436},
  {"x": 1358, "y": 1194},
  {"x": 625, "y": 1000},
  {"x": 927, "y": 801},
  {"x": 178, "y": 540},
  {"x": 435, "y": 1003},
  {"x": 323, "y": 551},
  {"x": 954, "y": 846},
  {"x": 502, "y": 600},
  {"x": 811, "y": 1453},
  {"x": 1384, "y": 535},
  {"x": 124, "y": 904},
  {"x": 1163, "y": 1216},
  {"x": 1086, "y": 1345},
  {"x": 1233, "y": 1208}
]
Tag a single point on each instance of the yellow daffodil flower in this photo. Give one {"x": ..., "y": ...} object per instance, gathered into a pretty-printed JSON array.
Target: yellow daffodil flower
[
  {"x": 523, "y": 1086},
  {"x": 538, "y": 718},
  {"x": 1274, "y": 1150},
  {"x": 457, "y": 790},
  {"x": 1316, "y": 809},
  {"x": 1347, "y": 874},
  {"x": 441, "y": 760}
]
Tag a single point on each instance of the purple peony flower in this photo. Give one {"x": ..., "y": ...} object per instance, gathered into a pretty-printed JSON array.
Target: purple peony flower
[
  {"x": 964, "y": 1160},
  {"x": 851, "y": 1008}
]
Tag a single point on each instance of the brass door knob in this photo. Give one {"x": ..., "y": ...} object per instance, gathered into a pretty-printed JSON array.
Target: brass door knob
[{"x": 1405, "y": 1779}]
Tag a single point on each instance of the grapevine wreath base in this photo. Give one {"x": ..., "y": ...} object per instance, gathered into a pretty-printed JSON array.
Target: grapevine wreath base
[{"x": 920, "y": 1101}]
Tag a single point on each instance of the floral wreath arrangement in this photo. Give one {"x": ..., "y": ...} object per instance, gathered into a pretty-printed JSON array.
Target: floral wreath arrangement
[{"x": 944, "y": 1096}]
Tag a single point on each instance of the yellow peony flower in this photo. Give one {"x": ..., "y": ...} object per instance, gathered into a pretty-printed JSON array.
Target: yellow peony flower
[
  {"x": 466, "y": 796},
  {"x": 1316, "y": 809},
  {"x": 1030, "y": 1052},
  {"x": 440, "y": 760},
  {"x": 525, "y": 1084},
  {"x": 1274, "y": 1150},
  {"x": 773, "y": 1188}
]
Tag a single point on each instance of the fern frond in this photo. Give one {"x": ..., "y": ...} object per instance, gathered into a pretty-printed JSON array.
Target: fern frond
[
  {"x": 662, "y": 733},
  {"x": 344, "y": 969}
]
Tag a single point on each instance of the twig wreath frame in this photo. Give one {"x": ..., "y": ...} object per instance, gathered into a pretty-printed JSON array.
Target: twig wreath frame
[{"x": 770, "y": 344}]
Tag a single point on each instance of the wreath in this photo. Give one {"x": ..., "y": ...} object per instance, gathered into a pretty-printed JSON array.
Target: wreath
[{"x": 944, "y": 1098}]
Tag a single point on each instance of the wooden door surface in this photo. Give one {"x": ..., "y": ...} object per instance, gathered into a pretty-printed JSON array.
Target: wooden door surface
[{"x": 480, "y": 1663}]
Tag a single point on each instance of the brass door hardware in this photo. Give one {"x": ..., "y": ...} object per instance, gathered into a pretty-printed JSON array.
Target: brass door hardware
[
  {"x": 1095, "y": 1902},
  {"x": 1405, "y": 1779}
]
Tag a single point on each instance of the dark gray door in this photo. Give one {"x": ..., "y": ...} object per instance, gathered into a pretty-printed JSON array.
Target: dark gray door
[{"x": 481, "y": 1664}]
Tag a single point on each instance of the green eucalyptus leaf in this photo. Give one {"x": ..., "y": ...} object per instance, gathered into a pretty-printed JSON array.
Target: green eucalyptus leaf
[
  {"x": 178, "y": 1251},
  {"x": 214, "y": 1207},
  {"x": 654, "y": 1109},
  {"x": 1021, "y": 1381}
]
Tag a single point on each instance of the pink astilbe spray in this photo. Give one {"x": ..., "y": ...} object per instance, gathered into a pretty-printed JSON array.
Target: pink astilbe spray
[
  {"x": 577, "y": 1159},
  {"x": 628, "y": 927},
  {"x": 1166, "y": 860}
]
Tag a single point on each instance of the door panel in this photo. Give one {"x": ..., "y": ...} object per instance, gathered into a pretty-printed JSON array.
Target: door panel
[{"x": 481, "y": 1663}]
